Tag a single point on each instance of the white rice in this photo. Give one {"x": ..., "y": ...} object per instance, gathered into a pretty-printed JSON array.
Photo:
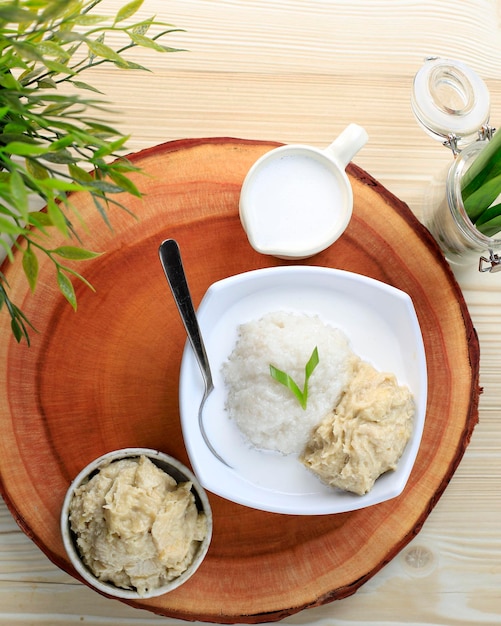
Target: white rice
[{"x": 268, "y": 413}]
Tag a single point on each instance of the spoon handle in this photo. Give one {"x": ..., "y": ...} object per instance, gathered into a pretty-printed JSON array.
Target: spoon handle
[{"x": 170, "y": 257}]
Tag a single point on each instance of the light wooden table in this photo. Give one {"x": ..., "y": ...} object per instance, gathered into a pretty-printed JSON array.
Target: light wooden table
[{"x": 300, "y": 71}]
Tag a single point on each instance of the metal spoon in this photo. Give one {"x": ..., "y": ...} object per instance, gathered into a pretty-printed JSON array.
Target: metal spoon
[{"x": 170, "y": 257}]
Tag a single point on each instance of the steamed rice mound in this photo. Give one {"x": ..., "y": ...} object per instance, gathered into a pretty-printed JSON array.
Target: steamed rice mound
[{"x": 266, "y": 412}]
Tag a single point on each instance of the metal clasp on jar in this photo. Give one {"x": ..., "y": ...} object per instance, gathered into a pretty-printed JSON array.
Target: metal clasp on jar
[
  {"x": 484, "y": 134},
  {"x": 492, "y": 264}
]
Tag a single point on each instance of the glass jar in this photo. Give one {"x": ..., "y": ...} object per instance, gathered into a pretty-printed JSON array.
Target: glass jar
[
  {"x": 452, "y": 104},
  {"x": 448, "y": 222}
]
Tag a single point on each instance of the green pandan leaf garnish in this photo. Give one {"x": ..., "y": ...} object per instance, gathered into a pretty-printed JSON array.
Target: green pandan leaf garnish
[{"x": 287, "y": 381}]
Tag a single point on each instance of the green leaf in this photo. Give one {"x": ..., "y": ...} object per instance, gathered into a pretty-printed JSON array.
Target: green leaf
[
  {"x": 489, "y": 223},
  {"x": 50, "y": 48},
  {"x": 311, "y": 365},
  {"x": 125, "y": 183},
  {"x": 107, "y": 149},
  {"x": 488, "y": 215},
  {"x": 41, "y": 217},
  {"x": 128, "y": 10},
  {"x": 491, "y": 228},
  {"x": 106, "y": 129},
  {"x": 35, "y": 169},
  {"x": 47, "y": 83},
  {"x": 80, "y": 277},
  {"x": 30, "y": 74},
  {"x": 20, "y": 148},
  {"x": 74, "y": 253},
  {"x": 57, "y": 108},
  {"x": 16, "y": 329},
  {"x": 57, "y": 217},
  {"x": 8, "y": 137},
  {"x": 15, "y": 127},
  {"x": 66, "y": 288},
  {"x": 123, "y": 165},
  {"x": 488, "y": 159},
  {"x": 62, "y": 185},
  {"x": 480, "y": 200},
  {"x": 40, "y": 220},
  {"x": 40, "y": 49},
  {"x": 27, "y": 51},
  {"x": 130, "y": 65},
  {"x": 81, "y": 85},
  {"x": 7, "y": 81},
  {"x": 104, "y": 187},
  {"x": 481, "y": 183},
  {"x": 89, "y": 20},
  {"x": 79, "y": 174},
  {"x": 100, "y": 49},
  {"x": 12, "y": 13},
  {"x": 19, "y": 321},
  {"x": 53, "y": 10},
  {"x": 142, "y": 28},
  {"x": 7, "y": 246},
  {"x": 63, "y": 157},
  {"x": 101, "y": 209},
  {"x": 146, "y": 42},
  {"x": 19, "y": 194},
  {"x": 61, "y": 143},
  {"x": 9, "y": 227},
  {"x": 288, "y": 382},
  {"x": 58, "y": 68},
  {"x": 30, "y": 267}
]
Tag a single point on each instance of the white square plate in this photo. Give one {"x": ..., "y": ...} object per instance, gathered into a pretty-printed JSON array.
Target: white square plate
[{"x": 382, "y": 326}]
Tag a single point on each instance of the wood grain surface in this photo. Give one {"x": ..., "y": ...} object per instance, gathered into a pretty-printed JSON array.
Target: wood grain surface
[
  {"x": 107, "y": 378},
  {"x": 301, "y": 71}
]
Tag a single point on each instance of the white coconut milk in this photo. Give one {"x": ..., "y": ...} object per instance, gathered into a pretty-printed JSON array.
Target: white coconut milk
[{"x": 294, "y": 202}]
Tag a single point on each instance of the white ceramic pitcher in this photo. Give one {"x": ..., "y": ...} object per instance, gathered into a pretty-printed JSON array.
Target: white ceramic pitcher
[{"x": 296, "y": 200}]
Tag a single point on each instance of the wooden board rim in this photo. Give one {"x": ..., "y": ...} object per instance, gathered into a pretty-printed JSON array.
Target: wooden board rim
[{"x": 470, "y": 417}]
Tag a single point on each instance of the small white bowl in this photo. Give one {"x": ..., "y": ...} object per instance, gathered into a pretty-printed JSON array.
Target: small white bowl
[
  {"x": 169, "y": 465},
  {"x": 382, "y": 326}
]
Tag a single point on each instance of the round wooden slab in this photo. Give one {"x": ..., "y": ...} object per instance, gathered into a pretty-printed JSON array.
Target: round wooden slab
[{"x": 106, "y": 377}]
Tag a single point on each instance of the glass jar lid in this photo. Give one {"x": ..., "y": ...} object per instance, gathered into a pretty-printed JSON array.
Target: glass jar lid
[{"x": 450, "y": 100}]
